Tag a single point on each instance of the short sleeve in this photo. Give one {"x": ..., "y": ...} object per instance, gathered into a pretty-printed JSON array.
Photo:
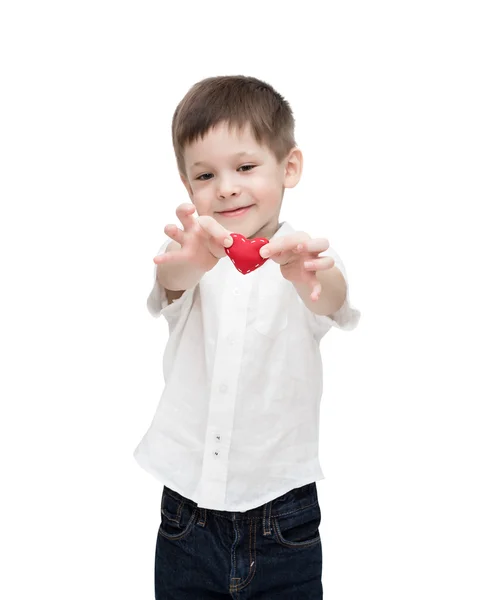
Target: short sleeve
[
  {"x": 157, "y": 302},
  {"x": 347, "y": 317}
]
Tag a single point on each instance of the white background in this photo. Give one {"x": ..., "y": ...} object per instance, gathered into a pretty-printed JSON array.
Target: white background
[{"x": 385, "y": 96}]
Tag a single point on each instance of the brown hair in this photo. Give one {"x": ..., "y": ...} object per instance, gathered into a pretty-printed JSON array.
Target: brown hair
[{"x": 238, "y": 101}]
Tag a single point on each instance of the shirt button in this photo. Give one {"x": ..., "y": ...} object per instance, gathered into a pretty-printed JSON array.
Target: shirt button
[
  {"x": 216, "y": 454},
  {"x": 217, "y": 438},
  {"x": 223, "y": 388}
]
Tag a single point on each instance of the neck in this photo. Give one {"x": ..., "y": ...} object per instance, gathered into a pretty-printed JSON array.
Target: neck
[{"x": 268, "y": 230}]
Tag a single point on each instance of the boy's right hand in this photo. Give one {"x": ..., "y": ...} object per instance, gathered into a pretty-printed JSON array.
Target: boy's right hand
[{"x": 201, "y": 242}]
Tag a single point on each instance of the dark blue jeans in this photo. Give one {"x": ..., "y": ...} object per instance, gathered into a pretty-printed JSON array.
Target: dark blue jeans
[{"x": 272, "y": 552}]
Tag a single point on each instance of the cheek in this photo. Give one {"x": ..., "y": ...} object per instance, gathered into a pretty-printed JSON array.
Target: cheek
[
  {"x": 202, "y": 201},
  {"x": 269, "y": 192}
]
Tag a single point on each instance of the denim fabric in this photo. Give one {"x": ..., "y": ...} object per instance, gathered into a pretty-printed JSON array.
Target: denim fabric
[{"x": 272, "y": 552}]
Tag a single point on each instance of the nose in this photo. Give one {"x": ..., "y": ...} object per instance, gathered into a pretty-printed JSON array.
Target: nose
[{"x": 227, "y": 188}]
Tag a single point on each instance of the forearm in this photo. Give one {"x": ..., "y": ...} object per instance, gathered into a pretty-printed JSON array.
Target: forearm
[
  {"x": 333, "y": 292},
  {"x": 178, "y": 276}
]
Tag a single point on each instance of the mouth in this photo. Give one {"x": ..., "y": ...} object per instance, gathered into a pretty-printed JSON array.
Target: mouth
[{"x": 237, "y": 212}]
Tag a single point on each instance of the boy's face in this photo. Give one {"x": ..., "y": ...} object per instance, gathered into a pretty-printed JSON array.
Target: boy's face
[{"x": 230, "y": 177}]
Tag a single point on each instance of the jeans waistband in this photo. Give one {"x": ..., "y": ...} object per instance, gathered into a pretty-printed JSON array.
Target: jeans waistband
[{"x": 294, "y": 500}]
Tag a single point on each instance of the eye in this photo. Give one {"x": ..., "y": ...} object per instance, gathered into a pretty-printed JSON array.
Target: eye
[
  {"x": 204, "y": 177},
  {"x": 245, "y": 168}
]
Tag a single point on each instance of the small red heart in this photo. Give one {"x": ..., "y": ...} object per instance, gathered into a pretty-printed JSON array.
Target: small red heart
[{"x": 245, "y": 254}]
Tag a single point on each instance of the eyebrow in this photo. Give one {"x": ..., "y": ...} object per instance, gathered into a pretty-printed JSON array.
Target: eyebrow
[{"x": 238, "y": 155}]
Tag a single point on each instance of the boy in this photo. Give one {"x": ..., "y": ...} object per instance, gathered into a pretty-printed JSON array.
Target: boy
[{"x": 235, "y": 436}]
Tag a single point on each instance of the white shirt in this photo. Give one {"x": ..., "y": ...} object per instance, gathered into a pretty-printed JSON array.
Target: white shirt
[{"x": 237, "y": 424}]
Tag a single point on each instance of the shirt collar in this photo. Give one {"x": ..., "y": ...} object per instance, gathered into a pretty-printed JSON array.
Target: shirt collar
[{"x": 284, "y": 229}]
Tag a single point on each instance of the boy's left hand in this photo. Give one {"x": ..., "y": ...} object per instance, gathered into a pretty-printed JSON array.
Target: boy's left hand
[{"x": 298, "y": 256}]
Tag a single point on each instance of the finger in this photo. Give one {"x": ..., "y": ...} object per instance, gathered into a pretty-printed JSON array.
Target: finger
[
  {"x": 319, "y": 264},
  {"x": 283, "y": 258},
  {"x": 315, "y": 246},
  {"x": 169, "y": 257},
  {"x": 175, "y": 233},
  {"x": 215, "y": 230},
  {"x": 283, "y": 244},
  {"x": 185, "y": 213}
]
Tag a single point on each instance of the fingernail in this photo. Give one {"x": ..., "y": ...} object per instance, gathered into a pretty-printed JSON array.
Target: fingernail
[
  {"x": 264, "y": 252},
  {"x": 228, "y": 242},
  {"x": 299, "y": 247}
]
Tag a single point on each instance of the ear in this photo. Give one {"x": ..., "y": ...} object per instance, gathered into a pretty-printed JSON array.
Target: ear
[
  {"x": 187, "y": 185},
  {"x": 293, "y": 167}
]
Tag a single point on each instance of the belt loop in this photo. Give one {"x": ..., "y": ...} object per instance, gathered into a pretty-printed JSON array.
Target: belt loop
[
  {"x": 267, "y": 518},
  {"x": 202, "y": 517}
]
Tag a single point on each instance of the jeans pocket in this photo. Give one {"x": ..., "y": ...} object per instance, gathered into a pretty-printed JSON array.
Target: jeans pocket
[
  {"x": 177, "y": 517},
  {"x": 299, "y": 529}
]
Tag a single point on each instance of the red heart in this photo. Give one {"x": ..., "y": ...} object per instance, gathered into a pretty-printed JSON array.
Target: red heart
[{"x": 245, "y": 254}]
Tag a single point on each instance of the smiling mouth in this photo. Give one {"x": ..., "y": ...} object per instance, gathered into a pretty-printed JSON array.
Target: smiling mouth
[{"x": 236, "y": 212}]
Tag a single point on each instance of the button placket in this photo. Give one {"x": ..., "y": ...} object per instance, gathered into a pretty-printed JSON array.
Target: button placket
[{"x": 224, "y": 382}]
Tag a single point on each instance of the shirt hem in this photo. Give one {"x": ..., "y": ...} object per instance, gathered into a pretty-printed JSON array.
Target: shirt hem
[{"x": 240, "y": 507}]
